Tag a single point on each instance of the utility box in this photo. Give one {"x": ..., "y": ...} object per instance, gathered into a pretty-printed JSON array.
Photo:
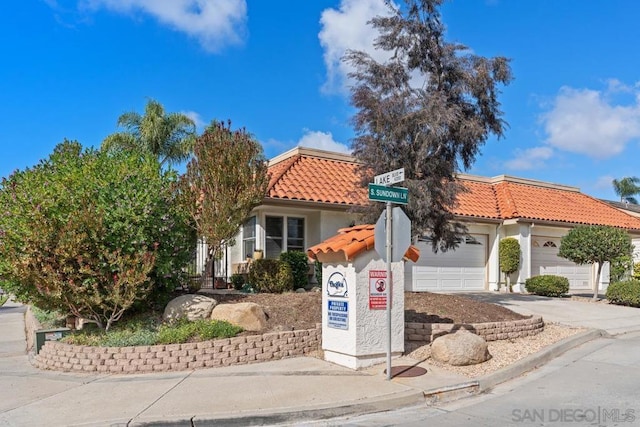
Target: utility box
[{"x": 44, "y": 335}]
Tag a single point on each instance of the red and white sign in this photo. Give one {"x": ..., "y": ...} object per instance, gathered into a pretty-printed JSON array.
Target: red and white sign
[{"x": 378, "y": 289}]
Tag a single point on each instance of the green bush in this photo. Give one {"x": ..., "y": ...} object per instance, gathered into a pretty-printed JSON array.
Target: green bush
[
  {"x": 547, "y": 285},
  {"x": 150, "y": 331},
  {"x": 200, "y": 330},
  {"x": 636, "y": 271},
  {"x": 93, "y": 233},
  {"x": 299, "y": 263},
  {"x": 624, "y": 293},
  {"x": 237, "y": 280},
  {"x": 270, "y": 275},
  {"x": 317, "y": 265},
  {"x": 48, "y": 319},
  {"x": 509, "y": 254}
]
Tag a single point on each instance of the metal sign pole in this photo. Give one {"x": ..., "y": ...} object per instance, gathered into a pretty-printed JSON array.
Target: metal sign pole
[{"x": 389, "y": 290}]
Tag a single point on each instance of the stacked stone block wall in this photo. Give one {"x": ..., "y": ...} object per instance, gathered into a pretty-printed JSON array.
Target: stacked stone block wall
[
  {"x": 176, "y": 357},
  {"x": 419, "y": 334}
]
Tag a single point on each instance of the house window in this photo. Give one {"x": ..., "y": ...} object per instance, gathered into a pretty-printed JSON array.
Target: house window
[
  {"x": 283, "y": 234},
  {"x": 249, "y": 237},
  {"x": 295, "y": 234}
]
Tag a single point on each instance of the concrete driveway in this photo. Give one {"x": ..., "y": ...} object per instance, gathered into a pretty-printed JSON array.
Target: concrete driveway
[{"x": 614, "y": 319}]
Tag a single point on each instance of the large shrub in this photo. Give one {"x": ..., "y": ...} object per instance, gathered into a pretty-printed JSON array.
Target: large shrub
[
  {"x": 624, "y": 293},
  {"x": 509, "y": 255},
  {"x": 595, "y": 244},
  {"x": 92, "y": 233},
  {"x": 547, "y": 285},
  {"x": 299, "y": 263},
  {"x": 270, "y": 275}
]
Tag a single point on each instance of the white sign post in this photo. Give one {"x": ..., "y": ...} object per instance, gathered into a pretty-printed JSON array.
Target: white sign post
[{"x": 387, "y": 179}]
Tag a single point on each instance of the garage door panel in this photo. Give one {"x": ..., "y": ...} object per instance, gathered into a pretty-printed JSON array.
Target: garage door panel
[
  {"x": 545, "y": 260},
  {"x": 425, "y": 284},
  {"x": 459, "y": 270}
]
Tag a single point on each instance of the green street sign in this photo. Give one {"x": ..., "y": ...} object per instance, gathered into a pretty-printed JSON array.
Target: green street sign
[{"x": 380, "y": 193}]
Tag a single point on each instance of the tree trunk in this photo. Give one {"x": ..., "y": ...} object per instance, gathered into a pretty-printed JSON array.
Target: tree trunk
[
  {"x": 508, "y": 282},
  {"x": 595, "y": 285}
]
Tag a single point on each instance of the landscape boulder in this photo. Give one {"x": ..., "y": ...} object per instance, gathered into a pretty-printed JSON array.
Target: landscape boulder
[
  {"x": 460, "y": 349},
  {"x": 248, "y": 315},
  {"x": 190, "y": 306}
]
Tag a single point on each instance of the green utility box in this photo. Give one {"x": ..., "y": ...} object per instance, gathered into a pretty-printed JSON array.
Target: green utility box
[{"x": 44, "y": 335}]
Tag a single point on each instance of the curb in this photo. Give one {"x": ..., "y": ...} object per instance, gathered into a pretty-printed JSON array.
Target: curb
[
  {"x": 365, "y": 406},
  {"x": 538, "y": 359},
  {"x": 533, "y": 361},
  {"x": 451, "y": 393}
]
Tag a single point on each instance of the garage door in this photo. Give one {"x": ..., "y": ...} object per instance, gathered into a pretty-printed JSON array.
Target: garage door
[
  {"x": 545, "y": 260},
  {"x": 461, "y": 270}
]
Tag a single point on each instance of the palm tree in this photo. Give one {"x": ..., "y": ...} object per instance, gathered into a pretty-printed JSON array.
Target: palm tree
[
  {"x": 168, "y": 136},
  {"x": 626, "y": 188}
]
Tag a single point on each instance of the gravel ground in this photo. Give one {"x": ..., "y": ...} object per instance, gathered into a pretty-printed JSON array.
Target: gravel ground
[{"x": 503, "y": 352}]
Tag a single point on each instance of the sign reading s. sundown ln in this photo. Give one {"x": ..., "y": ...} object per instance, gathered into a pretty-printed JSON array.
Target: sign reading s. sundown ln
[{"x": 382, "y": 193}]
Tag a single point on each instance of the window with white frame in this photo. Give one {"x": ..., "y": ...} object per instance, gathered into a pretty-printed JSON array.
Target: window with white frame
[
  {"x": 249, "y": 237},
  {"x": 283, "y": 234}
]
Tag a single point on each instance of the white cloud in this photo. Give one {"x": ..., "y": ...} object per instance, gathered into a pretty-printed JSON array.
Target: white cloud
[
  {"x": 346, "y": 28},
  {"x": 588, "y": 121},
  {"x": 322, "y": 141},
  {"x": 214, "y": 23},
  {"x": 531, "y": 158},
  {"x": 197, "y": 119}
]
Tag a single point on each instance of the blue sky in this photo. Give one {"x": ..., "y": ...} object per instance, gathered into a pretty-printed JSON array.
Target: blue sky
[{"x": 71, "y": 67}]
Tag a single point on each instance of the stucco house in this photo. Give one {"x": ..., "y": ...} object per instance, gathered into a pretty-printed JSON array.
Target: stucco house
[{"x": 311, "y": 191}]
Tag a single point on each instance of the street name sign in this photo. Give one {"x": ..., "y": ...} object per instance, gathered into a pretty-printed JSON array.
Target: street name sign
[
  {"x": 381, "y": 193},
  {"x": 389, "y": 178}
]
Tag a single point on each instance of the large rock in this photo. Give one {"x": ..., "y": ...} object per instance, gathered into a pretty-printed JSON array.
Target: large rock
[
  {"x": 190, "y": 306},
  {"x": 460, "y": 348},
  {"x": 248, "y": 315}
]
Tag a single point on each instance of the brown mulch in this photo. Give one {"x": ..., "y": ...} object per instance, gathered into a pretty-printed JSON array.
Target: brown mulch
[{"x": 303, "y": 310}]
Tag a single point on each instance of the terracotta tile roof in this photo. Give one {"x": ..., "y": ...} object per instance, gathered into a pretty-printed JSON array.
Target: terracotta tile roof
[
  {"x": 317, "y": 176},
  {"x": 516, "y": 200},
  {"x": 310, "y": 178},
  {"x": 352, "y": 241}
]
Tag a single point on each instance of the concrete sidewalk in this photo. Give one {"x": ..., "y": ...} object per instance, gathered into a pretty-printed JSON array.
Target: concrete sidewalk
[
  {"x": 613, "y": 319},
  {"x": 256, "y": 394},
  {"x": 285, "y": 391}
]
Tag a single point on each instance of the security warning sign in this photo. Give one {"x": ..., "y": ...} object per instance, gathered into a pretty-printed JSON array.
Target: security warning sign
[{"x": 378, "y": 289}]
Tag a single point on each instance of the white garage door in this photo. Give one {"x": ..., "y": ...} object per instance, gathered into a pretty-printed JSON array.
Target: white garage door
[
  {"x": 461, "y": 270},
  {"x": 545, "y": 260}
]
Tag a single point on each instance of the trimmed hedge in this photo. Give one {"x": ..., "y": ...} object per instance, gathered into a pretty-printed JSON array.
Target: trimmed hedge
[
  {"x": 624, "y": 293},
  {"x": 270, "y": 275},
  {"x": 237, "y": 280},
  {"x": 547, "y": 285},
  {"x": 299, "y": 263}
]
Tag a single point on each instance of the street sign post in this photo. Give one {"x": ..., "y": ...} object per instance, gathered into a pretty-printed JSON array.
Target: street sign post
[{"x": 381, "y": 193}]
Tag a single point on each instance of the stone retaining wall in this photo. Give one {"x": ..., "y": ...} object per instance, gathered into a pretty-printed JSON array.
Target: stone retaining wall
[
  {"x": 419, "y": 334},
  {"x": 174, "y": 357}
]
